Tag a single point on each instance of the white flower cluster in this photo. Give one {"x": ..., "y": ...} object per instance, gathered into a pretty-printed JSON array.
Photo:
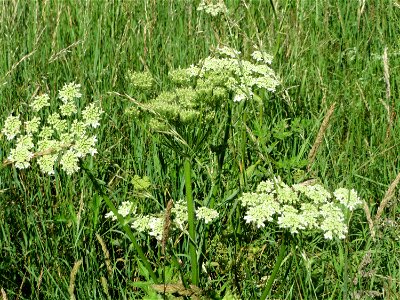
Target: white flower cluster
[
  {"x": 300, "y": 207},
  {"x": 237, "y": 75},
  {"x": 199, "y": 90},
  {"x": 125, "y": 209},
  {"x": 154, "y": 225},
  {"x": 55, "y": 139},
  {"x": 213, "y": 9},
  {"x": 207, "y": 214}
]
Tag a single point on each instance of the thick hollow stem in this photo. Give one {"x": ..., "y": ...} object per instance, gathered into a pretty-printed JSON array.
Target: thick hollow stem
[
  {"x": 271, "y": 279},
  {"x": 192, "y": 228}
]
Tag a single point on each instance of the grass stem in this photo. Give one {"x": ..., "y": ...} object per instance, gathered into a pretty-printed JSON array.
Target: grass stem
[
  {"x": 191, "y": 221},
  {"x": 271, "y": 279}
]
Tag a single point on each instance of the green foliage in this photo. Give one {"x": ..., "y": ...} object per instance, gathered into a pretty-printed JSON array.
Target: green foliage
[{"x": 324, "y": 52}]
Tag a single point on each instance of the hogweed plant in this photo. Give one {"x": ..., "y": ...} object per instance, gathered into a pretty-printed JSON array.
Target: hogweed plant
[
  {"x": 299, "y": 208},
  {"x": 62, "y": 139},
  {"x": 203, "y": 96}
]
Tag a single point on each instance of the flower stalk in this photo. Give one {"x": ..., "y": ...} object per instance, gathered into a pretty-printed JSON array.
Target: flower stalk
[
  {"x": 191, "y": 221},
  {"x": 122, "y": 222},
  {"x": 271, "y": 279}
]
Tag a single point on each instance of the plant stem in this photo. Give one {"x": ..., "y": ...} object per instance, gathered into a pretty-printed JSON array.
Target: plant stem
[
  {"x": 271, "y": 279},
  {"x": 192, "y": 228},
  {"x": 221, "y": 156},
  {"x": 121, "y": 221}
]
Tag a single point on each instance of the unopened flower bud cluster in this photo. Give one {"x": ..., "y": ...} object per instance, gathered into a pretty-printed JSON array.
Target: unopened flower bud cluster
[
  {"x": 300, "y": 207},
  {"x": 61, "y": 138},
  {"x": 202, "y": 88},
  {"x": 154, "y": 224}
]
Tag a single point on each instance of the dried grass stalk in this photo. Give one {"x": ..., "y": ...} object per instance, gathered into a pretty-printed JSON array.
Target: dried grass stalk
[
  {"x": 167, "y": 225},
  {"x": 389, "y": 194},
  {"x": 390, "y": 107},
  {"x": 106, "y": 253},
  {"x": 369, "y": 219},
  {"x": 320, "y": 136},
  {"x": 3, "y": 294},
  {"x": 72, "y": 279},
  {"x": 386, "y": 75},
  {"x": 104, "y": 284}
]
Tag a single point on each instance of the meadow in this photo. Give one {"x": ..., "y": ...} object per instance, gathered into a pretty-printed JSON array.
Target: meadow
[{"x": 331, "y": 121}]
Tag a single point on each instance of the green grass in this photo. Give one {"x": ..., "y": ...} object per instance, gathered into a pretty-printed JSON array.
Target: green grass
[{"x": 324, "y": 52}]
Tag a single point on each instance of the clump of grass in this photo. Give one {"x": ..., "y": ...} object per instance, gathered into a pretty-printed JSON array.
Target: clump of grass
[{"x": 324, "y": 52}]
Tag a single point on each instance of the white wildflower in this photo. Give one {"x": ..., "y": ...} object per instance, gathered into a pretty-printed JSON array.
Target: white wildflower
[
  {"x": 213, "y": 9},
  {"x": 207, "y": 214},
  {"x": 261, "y": 56},
  {"x": 12, "y": 127},
  {"x": 40, "y": 101},
  {"x": 32, "y": 126},
  {"x": 286, "y": 195},
  {"x": 156, "y": 227},
  {"x": 85, "y": 145},
  {"x": 141, "y": 223},
  {"x": 69, "y": 162},
  {"x": 316, "y": 192},
  {"x": 179, "y": 210},
  {"x": 20, "y": 156},
  {"x": 291, "y": 219},
  {"x": 310, "y": 215},
  {"x": 46, "y": 132},
  {"x": 49, "y": 145},
  {"x": 126, "y": 208},
  {"x": 68, "y": 109},
  {"x": 57, "y": 123},
  {"x": 348, "y": 198},
  {"x": 263, "y": 212},
  {"x": 91, "y": 115},
  {"x": 69, "y": 92},
  {"x": 78, "y": 128},
  {"x": 332, "y": 223},
  {"x": 239, "y": 97},
  {"x": 25, "y": 141},
  {"x": 266, "y": 186},
  {"x": 46, "y": 163}
]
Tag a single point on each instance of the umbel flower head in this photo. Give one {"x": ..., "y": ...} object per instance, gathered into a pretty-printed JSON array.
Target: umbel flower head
[
  {"x": 69, "y": 92},
  {"x": 213, "y": 9},
  {"x": 39, "y": 102},
  {"x": 154, "y": 224},
  {"x": 12, "y": 127},
  {"x": 300, "y": 207},
  {"x": 200, "y": 89},
  {"x": 54, "y": 139}
]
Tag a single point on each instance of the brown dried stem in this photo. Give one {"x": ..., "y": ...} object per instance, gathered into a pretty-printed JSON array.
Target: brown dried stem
[
  {"x": 389, "y": 194},
  {"x": 320, "y": 136},
  {"x": 72, "y": 279}
]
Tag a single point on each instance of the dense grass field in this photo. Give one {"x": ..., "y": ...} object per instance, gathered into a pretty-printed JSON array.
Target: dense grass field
[{"x": 333, "y": 119}]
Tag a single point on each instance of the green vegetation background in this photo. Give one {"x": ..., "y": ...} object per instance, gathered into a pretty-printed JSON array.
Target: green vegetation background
[{"x": 324, "y": 51}]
